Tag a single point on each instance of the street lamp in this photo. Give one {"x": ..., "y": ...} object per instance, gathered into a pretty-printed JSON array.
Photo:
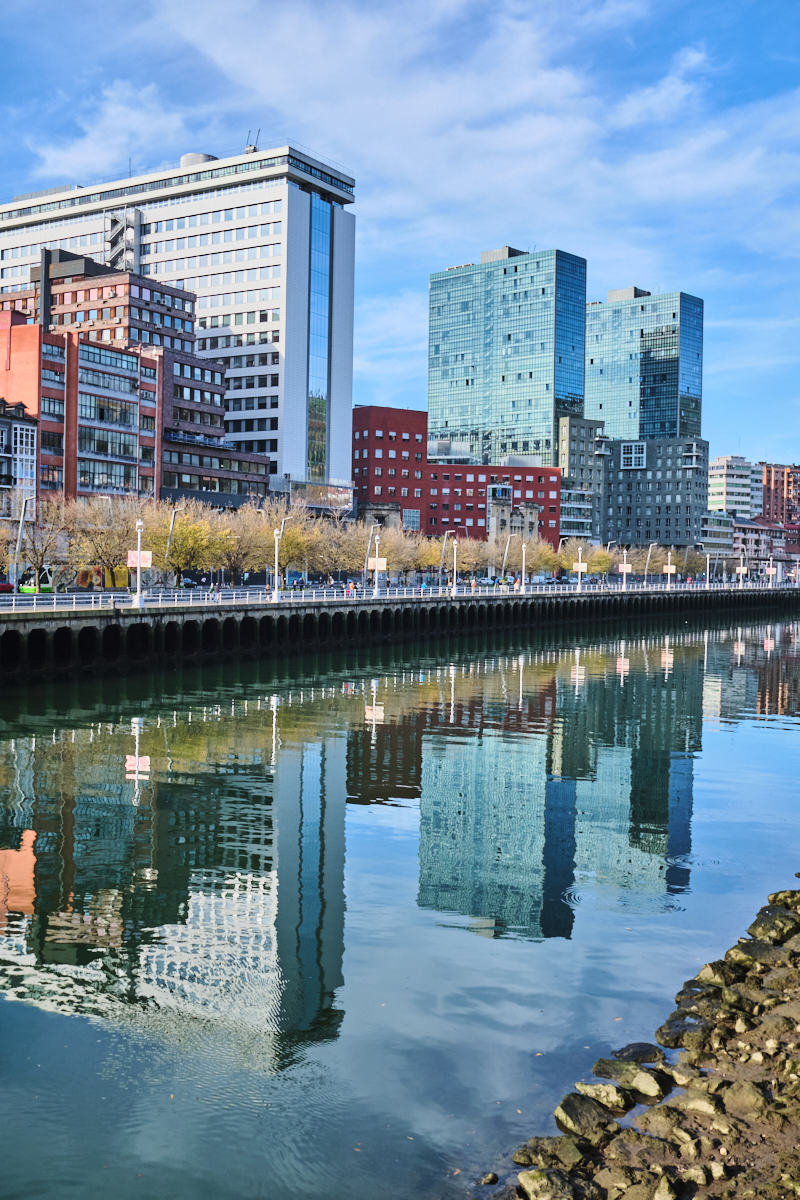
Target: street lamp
[
  {"x": 455, "y": 576},
  {"x": 137, "y": 603},
  {"x": 447, "y": 533},
  {"x": 375, "y": 591},
  {"x": 372, "y": 529},
  {"x": 278, "y": 534},
  {"x": 524, "y": 552},
  {"x": 27, "y": 500},
  {"x": 647, "y": 564}
]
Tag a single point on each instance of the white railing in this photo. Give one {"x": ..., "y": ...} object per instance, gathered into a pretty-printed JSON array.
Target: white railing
[{"x": 265, "y": 597}]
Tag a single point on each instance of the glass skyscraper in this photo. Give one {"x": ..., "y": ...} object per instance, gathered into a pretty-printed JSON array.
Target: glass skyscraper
[
  {"x": 506, "y": 354},
  {"x": 644, "y": 364}
]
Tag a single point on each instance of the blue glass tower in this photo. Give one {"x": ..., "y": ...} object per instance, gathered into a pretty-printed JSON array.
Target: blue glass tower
[
  {"x": 644, "y": 364},
  {"x": 506, "y": 353}
]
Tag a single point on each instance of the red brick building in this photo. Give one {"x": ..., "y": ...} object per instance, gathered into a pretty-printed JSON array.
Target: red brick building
[
  {"x": 119, "y": 414},
  {"x": 396, "y": 485},
  {"x": 781, "y": 492}
]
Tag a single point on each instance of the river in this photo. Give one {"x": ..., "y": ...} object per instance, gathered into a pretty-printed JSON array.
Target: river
[{"x": 351, "y": 926}]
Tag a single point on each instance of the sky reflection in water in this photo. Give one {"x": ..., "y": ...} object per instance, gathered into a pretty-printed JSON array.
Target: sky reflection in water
[{"x": 337, "y": 925}]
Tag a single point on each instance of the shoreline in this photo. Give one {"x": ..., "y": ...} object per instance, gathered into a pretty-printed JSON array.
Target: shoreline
[{"x": 722, "y": 1121}]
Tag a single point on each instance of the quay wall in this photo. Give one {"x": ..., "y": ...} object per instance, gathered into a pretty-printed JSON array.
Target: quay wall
[{"x": 47, "y": 643}]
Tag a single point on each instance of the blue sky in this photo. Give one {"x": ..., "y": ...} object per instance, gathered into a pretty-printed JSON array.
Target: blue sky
[{"x": 659, "y": 141}]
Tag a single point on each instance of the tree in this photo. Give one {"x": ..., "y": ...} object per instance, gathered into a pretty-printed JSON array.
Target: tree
[
  {"x": 103, "y": 530},
  {"x": 569, "y": 552},
  {"x": 43, "y": 540},
  {"x": 542, "y": 557},
  {"x": 190, "y": 547},
  {"x": 600, "y": 561}
]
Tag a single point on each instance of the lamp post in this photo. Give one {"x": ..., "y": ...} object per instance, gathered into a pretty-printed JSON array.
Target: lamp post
[
  {"x": 278, "y": 534},
  {"x": 441, "y": 557},
  {"x": 625, "y": 569},
  {"x": 27, "y": 500},
  {"x": 375, "y": 591},
  {"x": 455, "y": 576},
  {"x": 138, "y": 599},
  {"x": 372, "y": 529},
  {"x": 647, "y": 564},
  {"x": 708, "y": 571},
  {"x": 524, "y": 552}
]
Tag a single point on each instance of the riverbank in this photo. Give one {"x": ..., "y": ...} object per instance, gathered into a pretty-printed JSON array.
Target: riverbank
[{"x": 722, "y": 1120}]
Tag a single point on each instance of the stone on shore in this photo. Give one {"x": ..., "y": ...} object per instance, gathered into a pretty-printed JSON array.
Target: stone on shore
[
  {"x": 583, "y": 1116},
  {"x": 607, "y": 1093},
  {"x": 788, "y": 899},
  {"x": 546, "y": 1185},
  {"x": 775, "y": 924},
  {"x": 639, "y": 1052},
  {"x": 631, "y": 1076},
  {"x": 721, "y": 973},
  {"x": 757, "y": 953},
  {"x": 489, "y": 1178},
  {"x": 743, "y": 1098}
]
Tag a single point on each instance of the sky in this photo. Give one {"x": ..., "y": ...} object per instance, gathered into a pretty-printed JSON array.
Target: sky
[{"x": 659, "y": 141}]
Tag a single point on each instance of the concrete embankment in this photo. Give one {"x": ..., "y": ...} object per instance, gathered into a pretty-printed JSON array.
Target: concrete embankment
[
  {"x": 722, "y": 1120},
  {"x": 64, "y": 642}
]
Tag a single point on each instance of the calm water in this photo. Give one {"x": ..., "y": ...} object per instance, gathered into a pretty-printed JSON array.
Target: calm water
[{"x": 352, "y": 926}]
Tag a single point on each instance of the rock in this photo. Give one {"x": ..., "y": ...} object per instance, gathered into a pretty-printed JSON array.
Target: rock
[
  {"x": 660, "y": 1121},
  {"x": 718, "y": 1170},
  {"x": 630, "y": 1076},
  {"x": 775, "y": 924},
  {"x": 698, "y": 1175},
  {"x": 683, "y": 1028},
  {"x": 641, "y": 1191},
  {"x": 582, "y": 1115},
  {"x": 489, "y": 1178},
  {"x": 639, "y": 1052},
  {"x": 681, "y": 1073},
  {"x": 665, "y": 1189},
  {"x": 787, "y": 899},
  {"x": 790, "y": 1011},
  {"x": 607, "y": 1093},
  {"x": 758, "y": 953},
  {"x": 698, "y": 1102},
  {"x": 720, "y": 972},
  {"x": 620, "y": 1178},
  {"x": 743, "y": 1098},
  {"x": 523, "y": 1157},
  {"x": 546, "y": 1185}
]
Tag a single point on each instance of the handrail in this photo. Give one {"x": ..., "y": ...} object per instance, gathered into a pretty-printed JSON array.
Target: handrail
[{"x": 264, "y": 597}]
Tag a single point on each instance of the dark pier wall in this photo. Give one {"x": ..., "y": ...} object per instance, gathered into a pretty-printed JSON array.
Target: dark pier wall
[{"x": 45, "y": 644}]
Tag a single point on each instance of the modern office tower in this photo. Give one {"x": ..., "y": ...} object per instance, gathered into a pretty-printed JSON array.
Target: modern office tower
[
  {"x": 644, "y": 364},
  {"x": 505, "y": 355},
  {"x": 582, "y": 457},
  {"x": 265, "y": 241},
  {"x": 656, "y": 492},
  {"x": 735, "y": 486}
]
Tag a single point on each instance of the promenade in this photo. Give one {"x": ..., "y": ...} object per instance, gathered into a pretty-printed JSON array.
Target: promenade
[{"x": 65, "y": 633}]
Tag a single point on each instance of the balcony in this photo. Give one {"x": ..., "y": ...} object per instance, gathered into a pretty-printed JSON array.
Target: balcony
[{"x": 198, "y": 439}]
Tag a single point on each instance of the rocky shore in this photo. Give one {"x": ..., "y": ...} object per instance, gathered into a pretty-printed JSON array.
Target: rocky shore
[{"x": 723, "y": 1120}]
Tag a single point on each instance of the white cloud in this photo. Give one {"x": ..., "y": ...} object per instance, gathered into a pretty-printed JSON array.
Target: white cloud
[{"x": 124, "y": 123}]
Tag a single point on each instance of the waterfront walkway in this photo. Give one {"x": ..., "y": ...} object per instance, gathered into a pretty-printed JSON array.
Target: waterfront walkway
[{"x": 48, "y": 635}]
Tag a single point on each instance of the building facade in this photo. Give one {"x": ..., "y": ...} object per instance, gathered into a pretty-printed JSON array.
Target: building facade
[
  {"x": 397, "y": 484},
  {"x": 644, "y": 364},
  {"x": 506, "y": 354},
  {"x": 265, "y": 241},
  {"x": 582, "y": 455},
  {"x": 735, "y": 486},
  {"x": 656, "y": 492},
  {"x": 125, "y": 419},
  {"x": 781, "y": 493}
]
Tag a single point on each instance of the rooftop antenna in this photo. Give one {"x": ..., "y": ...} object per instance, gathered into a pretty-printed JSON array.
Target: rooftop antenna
[
  {"x": 247, "y": 142},
  {"x": 258, "y": 135}
]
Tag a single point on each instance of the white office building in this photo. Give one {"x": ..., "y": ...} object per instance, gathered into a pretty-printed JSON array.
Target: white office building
[
  {"x": 266, "y": 241},
  {"x": 735, "y": 486}
]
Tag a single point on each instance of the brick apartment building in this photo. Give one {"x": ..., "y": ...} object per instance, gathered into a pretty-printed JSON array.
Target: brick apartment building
[
  {"x": 396, "y": 484},
  {"x": 781, "y": 493},
  {"x": 124, "y": 407}
]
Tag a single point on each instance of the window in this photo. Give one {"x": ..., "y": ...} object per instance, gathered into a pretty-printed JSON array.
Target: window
[
  {"x": 52, "y": 443},
  {"x": 411, "y": 519}
]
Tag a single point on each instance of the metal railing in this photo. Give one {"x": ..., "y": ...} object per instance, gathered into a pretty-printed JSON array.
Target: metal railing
[{"x": 200, "y": 598}]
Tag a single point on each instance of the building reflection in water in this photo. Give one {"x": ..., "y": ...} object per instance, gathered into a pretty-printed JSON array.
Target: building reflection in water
[
  {"x": 187, "y": 864},
  {"x": 206, "y": 884}
]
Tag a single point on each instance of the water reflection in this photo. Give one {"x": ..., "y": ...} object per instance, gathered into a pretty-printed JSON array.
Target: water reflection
[{"x": 183, "y": 857}]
